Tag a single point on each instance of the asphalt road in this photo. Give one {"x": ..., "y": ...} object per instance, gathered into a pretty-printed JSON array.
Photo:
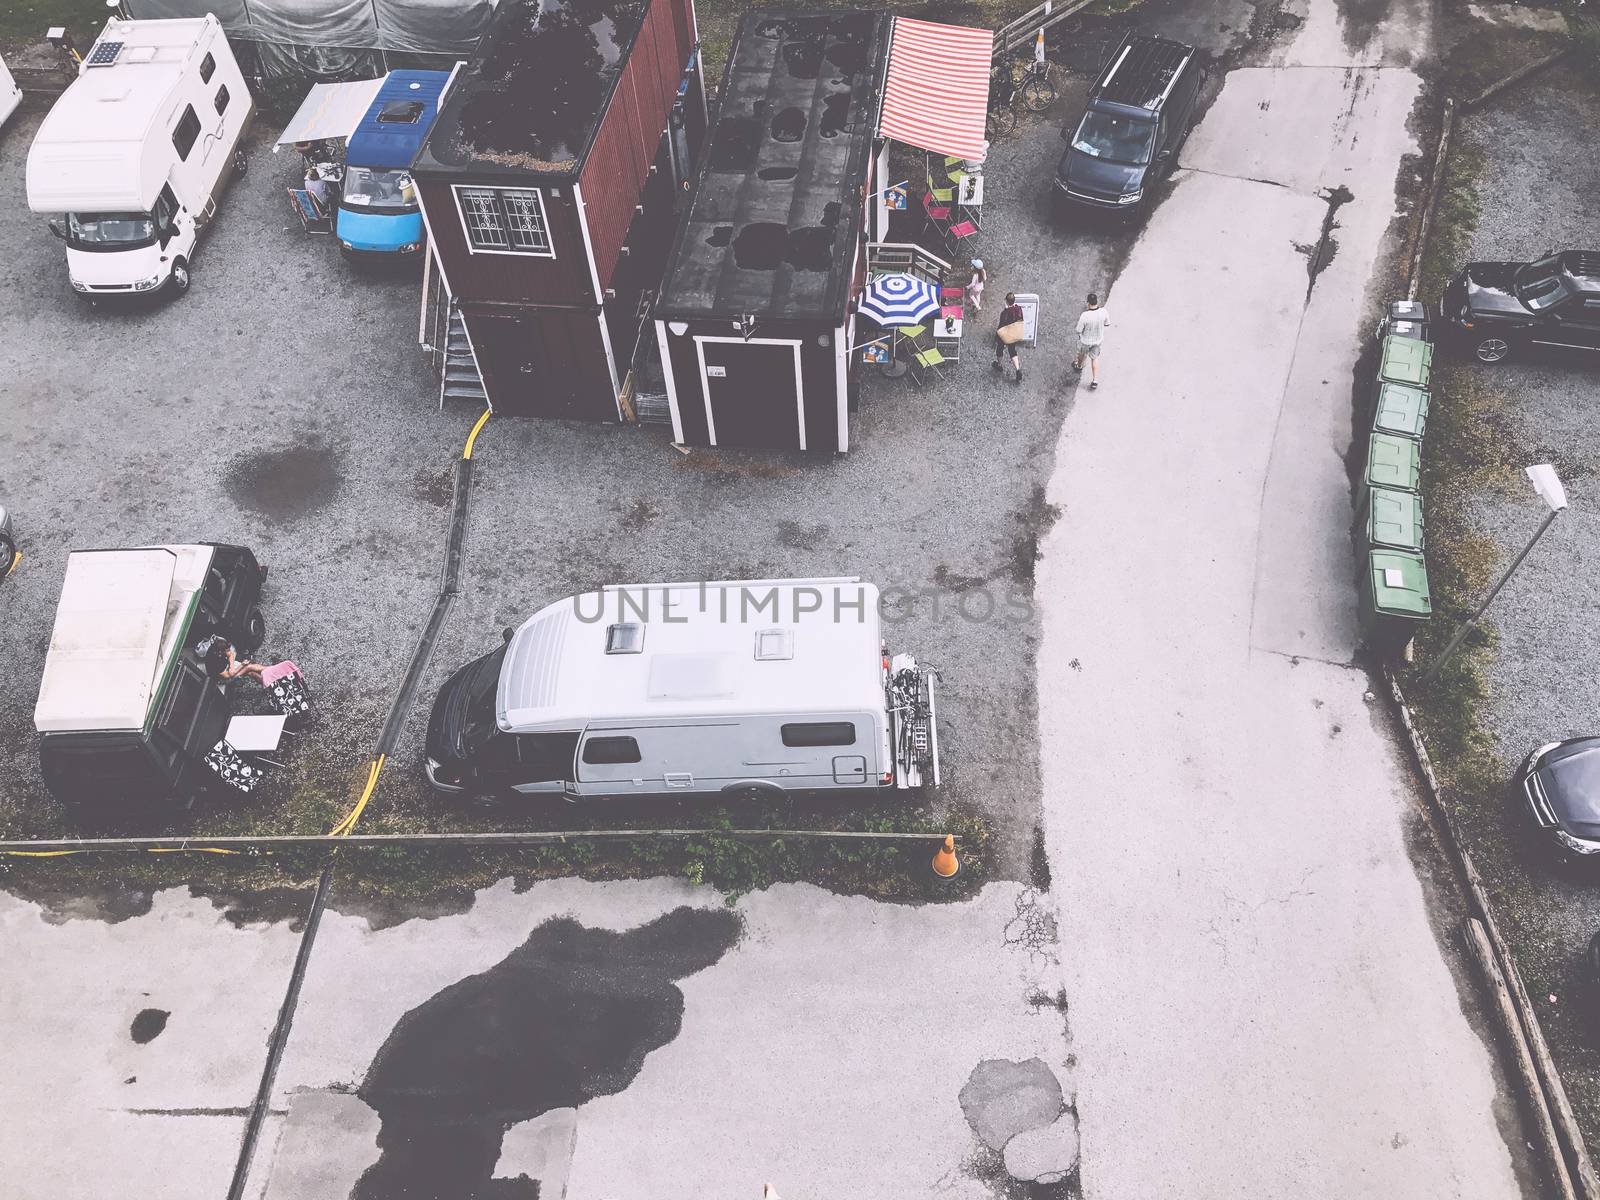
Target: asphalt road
[{"x": 1227, "y": 811}]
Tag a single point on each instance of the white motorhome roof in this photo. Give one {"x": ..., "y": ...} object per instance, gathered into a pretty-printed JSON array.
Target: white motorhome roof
[
  {"x": 699, "y": 653},
  {"x": 118, "y": 624},
  {"x": 88, "y": 154}
]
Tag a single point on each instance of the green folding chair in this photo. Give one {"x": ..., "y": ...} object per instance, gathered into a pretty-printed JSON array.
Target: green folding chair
[
  {"x": 941, "y": 195},
  {"x": 924, "y": 363}
]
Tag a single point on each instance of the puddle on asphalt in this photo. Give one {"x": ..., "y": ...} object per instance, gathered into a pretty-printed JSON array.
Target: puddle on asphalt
[
  {"x": 287, "y": 482},
  {"x": 147, "y": 1026},
  {"x": 567, "y": 1016}
]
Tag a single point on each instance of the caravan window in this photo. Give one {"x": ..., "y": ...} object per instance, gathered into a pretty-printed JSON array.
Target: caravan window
[
  {"x": 222, "y": 99},
  {"x": 207, "y": 66},
  {"x": 504, "y": 220},
  {"x": 186, "y": 131},
  {"x": 601, "y": 751},
  {"x": 820, "y": 733}
]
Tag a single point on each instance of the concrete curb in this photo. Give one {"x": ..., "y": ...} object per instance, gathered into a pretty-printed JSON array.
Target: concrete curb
[{"x": 1567, "y": 1160}]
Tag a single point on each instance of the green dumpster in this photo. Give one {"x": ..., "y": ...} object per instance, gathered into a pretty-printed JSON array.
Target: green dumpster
[
  {"x": 1394, "y": 598},
  {"x": 1405, "y": 360},
  {"x": 1400, "y": 409},
  {"x": 1394, "y": 462},
  {"x": 1389, "y": 520}
]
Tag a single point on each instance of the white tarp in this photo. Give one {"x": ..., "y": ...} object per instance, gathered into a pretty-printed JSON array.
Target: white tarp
[
  {"x": 331, "y": 110},
  {"x": 99, "y": 672},
  {"x": 448, "y": 27}
]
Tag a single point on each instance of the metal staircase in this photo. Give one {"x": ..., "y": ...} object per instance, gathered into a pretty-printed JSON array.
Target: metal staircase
[{"x": 459, "y": 378}]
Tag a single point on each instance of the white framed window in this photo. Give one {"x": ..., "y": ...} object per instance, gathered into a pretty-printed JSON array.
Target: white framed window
[{"x": 504, "y": 220}]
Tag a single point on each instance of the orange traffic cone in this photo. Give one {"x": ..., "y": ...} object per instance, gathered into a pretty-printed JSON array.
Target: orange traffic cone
[{"x": 945, "y": 862}]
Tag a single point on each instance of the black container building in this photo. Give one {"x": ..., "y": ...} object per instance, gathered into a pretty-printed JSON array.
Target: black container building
[{"x": 754, "y": 318}]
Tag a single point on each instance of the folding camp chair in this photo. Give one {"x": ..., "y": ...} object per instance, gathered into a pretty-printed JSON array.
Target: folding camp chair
[
  {"x": 306, "y": 206},
  {"x": 941, "y": 195},
  {"x": 924, "y": 363},
  {"x": 938, "y": 215},
  {"x": 949, "y": 296},
  {"x": 959, "y": 234}
]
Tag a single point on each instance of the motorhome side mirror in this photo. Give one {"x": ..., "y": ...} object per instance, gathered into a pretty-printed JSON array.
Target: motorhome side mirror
[
  {"x": 1164, "y": 156},
  {"x": 508, "y": 633},
  {"x": 57, "y": 231}
]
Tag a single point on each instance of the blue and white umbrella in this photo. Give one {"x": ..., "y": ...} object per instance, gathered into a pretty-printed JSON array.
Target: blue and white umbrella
[{"x": 892, "y": 300}]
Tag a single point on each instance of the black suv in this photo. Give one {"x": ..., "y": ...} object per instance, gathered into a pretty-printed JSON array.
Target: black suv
[
  {"x": 1560, "y": 783},
  {"x": 1495, "y": 309},
  {"x": 1137, "y": 117}
]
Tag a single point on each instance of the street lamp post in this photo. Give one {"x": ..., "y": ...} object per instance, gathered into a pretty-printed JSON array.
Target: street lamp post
[{"x": 1548, "y": 484}]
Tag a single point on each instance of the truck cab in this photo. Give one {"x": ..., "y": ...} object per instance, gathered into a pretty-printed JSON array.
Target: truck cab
[{"x": 379, "y": 217}]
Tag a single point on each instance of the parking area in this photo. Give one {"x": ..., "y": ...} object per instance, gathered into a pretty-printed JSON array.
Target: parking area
[
  {"x": 1534, "y": 188},
  {"x": 284, "y": 404}
]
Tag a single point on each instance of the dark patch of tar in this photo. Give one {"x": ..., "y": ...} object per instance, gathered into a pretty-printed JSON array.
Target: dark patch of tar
[
  {"x": 720, "y": 236},
  {"x": 147, "y": 1026},
  {"x": 1039, "y": 862},
  {"x": 567, "y": 1016},
  {"x": 835, "y": 114},
  {"x": 288, "y": 482},
  {"x": 803, "y": 58},
  {"x": 766, "y": 245},
  {"x": 775, "y": 173},
  {"x": 737, "y": 141},
  {"x": 1035, "y": 521},
  {"x": 789, "y": 125}
]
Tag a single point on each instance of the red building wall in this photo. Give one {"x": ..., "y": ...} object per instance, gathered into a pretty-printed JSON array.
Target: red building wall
[{"x": 614, "y": 174}]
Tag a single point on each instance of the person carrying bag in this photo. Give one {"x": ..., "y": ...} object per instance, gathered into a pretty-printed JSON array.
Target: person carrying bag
[{"x": 1008, "y": 335}]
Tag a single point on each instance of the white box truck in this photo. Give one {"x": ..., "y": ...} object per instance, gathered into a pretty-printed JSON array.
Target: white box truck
[
  {"x": 127, "y": 712},
  {"x": 10, "y": 93},
  {"x": 743, "y": 687},
  {"x": 135, "y": 153}
]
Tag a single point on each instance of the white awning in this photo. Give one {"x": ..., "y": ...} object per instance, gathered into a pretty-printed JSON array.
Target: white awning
[{"x": 332, "y": 110}]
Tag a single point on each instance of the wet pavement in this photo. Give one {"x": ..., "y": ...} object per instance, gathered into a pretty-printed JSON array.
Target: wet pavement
[
  {"x": 1205, "y": 729},
  {"x": 577, "y": 1039}
]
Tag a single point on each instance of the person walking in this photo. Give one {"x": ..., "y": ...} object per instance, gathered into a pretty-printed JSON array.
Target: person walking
[
  {"x": 975, "y": 285},
  {"x": 1092, "y": 324},
  {"x": 1011, "y": 314}
]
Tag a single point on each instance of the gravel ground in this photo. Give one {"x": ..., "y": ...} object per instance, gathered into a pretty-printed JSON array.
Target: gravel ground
[
  {"x": 1540, "y": 189},
  {"x": 283, "y": 404}
]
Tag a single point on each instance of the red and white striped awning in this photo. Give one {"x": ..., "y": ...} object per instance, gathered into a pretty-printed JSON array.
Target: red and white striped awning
[{"x": 936, "y": 95}]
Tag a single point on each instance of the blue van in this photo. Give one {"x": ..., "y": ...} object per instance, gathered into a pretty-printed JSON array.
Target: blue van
[{"x": 378, "y": 213}]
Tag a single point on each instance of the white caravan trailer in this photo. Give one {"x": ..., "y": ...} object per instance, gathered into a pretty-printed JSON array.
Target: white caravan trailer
[
  {"x": 136, "y": 151},
  {"x": 10, "y": 93},
  {"x": 745, "y": 687}
]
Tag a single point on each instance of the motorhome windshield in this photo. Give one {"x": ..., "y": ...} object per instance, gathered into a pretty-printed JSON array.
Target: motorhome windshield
[
  {"x": 368, "y": 189},
  {"x": 110, "y": 231}
]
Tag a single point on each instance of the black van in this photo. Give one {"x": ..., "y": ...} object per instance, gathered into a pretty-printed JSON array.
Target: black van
[
  {"x": 1138, "y": 115},
  {"x": 127, "y": 712}
]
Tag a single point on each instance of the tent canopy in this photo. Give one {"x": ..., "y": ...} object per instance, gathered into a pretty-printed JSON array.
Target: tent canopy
[
  {"x": 331, "y": 110},
  {"x": 936, "y": 95}
]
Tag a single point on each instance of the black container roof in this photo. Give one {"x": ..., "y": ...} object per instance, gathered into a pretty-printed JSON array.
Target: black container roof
[
  {"x": 778, "y": 206},
  {"x": 533, "y": 96}
]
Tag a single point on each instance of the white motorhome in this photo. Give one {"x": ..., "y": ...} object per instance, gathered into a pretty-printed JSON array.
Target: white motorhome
[
  {"x": 743, "y": 687},
  {"x": 135, "y": 153},
  {"x": 10, "y": 93}
]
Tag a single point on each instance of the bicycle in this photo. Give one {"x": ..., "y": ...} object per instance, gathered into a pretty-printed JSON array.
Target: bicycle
[
  {"x": 1032, "y": 86},
  {"x": 1037, "y": 89},
  {"x": 1002, "y": 119}
]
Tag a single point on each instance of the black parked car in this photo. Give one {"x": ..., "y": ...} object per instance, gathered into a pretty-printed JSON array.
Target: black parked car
[
  {"x": 1495, "y": 309},
  {"x": 1561, "y": 783},
  {"x": 1138, "y": 115}
]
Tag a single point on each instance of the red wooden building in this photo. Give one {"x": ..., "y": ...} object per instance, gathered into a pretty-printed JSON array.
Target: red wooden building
[{"x": 548, "y": 185}]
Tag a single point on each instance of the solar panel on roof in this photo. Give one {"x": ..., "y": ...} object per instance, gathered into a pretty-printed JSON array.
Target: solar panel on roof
[{"x": 103, "y": 54}]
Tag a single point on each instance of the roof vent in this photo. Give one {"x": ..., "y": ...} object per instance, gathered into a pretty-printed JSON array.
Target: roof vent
[
  {"x": 626, "y": 638},
  {"x": 774, "y": 644},
  {"x": 400, "y": 112}
]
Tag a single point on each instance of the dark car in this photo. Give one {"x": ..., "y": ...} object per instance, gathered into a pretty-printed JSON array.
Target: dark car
[
  {"x": 1560, "y": 782},
  {"x": 1496, "y": 309},
  {"x": 1137, "y": 116}
]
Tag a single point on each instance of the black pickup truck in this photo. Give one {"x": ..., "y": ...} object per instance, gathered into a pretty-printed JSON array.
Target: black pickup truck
[{"x": 1493, "y": 310}]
